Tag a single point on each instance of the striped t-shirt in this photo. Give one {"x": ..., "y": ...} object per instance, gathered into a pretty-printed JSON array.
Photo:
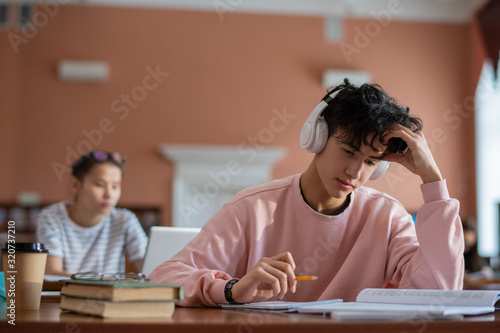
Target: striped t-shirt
[{"x": 100, "y": 248}]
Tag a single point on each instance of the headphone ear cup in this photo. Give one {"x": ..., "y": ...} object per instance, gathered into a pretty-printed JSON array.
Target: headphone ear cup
[
  {"x": 320, "y": 138},
  {"x": 379, "y": 170}
]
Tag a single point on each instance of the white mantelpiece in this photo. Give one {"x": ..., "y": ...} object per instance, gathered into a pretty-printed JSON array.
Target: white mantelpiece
[{"x": 205, "y": 177}]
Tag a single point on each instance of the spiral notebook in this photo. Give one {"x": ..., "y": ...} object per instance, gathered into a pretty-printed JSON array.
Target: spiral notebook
[{"x": 279, "y": 306}]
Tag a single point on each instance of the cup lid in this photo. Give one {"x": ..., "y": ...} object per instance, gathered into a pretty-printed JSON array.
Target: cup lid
[{"x": 26, "y": 247}]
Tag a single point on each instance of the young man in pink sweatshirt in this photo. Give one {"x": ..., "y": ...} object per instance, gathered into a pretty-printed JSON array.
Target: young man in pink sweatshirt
[{"x": 325, "y": 223}]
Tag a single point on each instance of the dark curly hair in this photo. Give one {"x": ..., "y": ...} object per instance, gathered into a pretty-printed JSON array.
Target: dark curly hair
[{"x": 363, "y": 114}]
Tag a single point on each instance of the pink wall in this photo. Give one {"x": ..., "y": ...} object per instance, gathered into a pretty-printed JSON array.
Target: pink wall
[
  {"x": 10, "y": 124},
  {"x": 224, "y": 80}
]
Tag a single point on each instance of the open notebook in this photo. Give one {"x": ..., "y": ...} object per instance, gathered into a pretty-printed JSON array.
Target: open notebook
[
  {"x": 279, "y": 306},
  {"x": 164, "y": 243},
  {"x": 412, "y": 303}
]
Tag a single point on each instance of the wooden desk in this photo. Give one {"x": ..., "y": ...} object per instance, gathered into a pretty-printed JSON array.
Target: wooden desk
[
  {"x": 50, "y": 319},
  {"x": 482, "y": 284}
]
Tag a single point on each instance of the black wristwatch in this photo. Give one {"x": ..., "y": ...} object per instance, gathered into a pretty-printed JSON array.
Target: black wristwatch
[{"x": 228, "y": 294}]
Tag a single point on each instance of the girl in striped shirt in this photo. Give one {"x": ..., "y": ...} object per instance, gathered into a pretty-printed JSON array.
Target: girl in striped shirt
[{"x": 90, "y": 234}]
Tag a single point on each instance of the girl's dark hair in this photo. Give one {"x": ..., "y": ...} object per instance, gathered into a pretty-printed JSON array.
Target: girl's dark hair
[
  {"x": 361, "y": 115},
  {"x": 82, "y": 167}
]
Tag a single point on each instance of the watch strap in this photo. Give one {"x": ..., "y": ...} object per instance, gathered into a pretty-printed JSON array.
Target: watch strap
[{"x": 228, "y": 294}]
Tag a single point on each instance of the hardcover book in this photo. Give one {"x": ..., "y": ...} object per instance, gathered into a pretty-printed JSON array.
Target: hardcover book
[
  {"x": 121, "y": 290},
  {"x": 117, "y": 309}
]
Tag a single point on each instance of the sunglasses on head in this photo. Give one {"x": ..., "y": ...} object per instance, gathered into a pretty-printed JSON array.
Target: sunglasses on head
[{"x": 103, "y": 156}]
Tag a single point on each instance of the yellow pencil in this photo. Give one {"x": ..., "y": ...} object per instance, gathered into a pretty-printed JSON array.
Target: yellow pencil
[{"x": 305, "y": 278}]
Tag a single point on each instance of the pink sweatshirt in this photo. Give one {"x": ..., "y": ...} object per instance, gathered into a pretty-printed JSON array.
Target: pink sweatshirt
[{"x": 372, "y": 243}]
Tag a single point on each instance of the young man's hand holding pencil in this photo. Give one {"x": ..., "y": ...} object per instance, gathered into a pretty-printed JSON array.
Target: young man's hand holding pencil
[{"x": 270, "y": 277}]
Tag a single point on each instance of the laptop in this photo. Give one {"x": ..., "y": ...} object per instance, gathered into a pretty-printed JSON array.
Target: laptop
[{"x": 164, "y": 243}]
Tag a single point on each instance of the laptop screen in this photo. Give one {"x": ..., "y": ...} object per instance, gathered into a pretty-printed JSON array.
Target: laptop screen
[{"x": 164, "y": 243}]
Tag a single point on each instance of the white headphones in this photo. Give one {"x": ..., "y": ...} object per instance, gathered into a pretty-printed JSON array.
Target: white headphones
[{"x": 314, "y": 133}]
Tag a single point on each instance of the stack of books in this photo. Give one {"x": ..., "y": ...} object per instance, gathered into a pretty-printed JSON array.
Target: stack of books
[{"x": 113, "y": 299}]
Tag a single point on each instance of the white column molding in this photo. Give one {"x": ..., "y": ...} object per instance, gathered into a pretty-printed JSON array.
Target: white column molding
[{"x": 205, "y": 177}]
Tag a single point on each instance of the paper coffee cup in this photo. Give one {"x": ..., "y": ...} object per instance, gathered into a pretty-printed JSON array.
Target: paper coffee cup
[{"x": 24, "y": 268}]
